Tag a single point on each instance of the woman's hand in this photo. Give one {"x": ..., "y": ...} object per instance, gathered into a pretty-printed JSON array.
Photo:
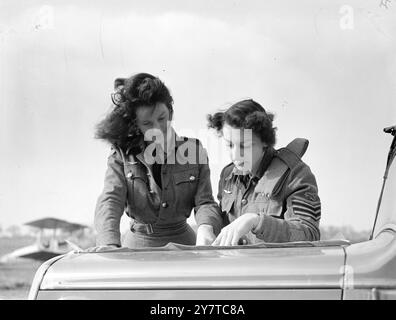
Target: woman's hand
[
  {"x": 205, "y": 235},
  {"x": 240, "y": 227},
  {"x": 102, "y": 248}
]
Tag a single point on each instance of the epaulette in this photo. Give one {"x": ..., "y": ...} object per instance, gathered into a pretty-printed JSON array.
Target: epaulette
[{"x": 291, "y": 155}]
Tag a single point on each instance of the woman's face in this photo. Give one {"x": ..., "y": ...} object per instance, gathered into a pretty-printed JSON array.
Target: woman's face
[
  {"x": 153, "y": 121},
  {"x": 245, "y": 147}
]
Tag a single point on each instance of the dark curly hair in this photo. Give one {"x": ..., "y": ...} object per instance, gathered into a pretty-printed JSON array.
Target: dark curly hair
[
  {"x": 247, "y": 114},
  {"x": 119, "y": 127}
]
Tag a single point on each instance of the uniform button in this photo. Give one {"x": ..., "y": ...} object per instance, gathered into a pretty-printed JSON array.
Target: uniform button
[
  {"x": 129, "y": 175},
  {"x": 268, "y": 195},
  {"x": 244, "y": 201},
  {"x": 192, "y": 178},
  {"x": 164, "y": 204}
]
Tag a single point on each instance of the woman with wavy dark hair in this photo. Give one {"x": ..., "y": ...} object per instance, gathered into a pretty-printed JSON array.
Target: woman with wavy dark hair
[
  {"x": 153, "y": 175},
  {"x": 265, "y": 194}
]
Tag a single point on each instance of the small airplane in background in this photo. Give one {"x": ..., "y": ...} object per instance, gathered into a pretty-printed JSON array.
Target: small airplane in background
[{"x": 47, "y": 247}]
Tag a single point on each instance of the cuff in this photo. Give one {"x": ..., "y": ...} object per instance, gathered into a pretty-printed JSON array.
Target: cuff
[
  {"x": 210, "y": 217},
  {"x": 108, "y": 238},
  {"x": 271, "y": 229}
]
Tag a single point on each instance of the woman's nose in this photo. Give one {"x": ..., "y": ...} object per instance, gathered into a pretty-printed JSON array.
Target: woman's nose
[{"x": 157, "y": 127}]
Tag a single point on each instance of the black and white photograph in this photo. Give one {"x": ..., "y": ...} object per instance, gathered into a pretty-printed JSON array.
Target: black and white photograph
[{"x": 197, "y": 151}]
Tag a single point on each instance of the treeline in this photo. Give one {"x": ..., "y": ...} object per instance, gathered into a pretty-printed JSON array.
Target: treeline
[
  {"x": 86, "y": 237},
  {"x": 344, "y": 232}
]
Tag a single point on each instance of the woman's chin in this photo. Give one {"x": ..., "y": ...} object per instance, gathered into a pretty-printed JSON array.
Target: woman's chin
[{"x": 244, "y": 169}]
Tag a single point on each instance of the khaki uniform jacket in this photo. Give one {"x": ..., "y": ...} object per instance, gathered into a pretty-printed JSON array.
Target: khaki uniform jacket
[{"x": 129, "y": 186}]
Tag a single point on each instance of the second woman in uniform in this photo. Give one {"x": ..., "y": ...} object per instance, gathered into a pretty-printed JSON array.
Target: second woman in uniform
[{"x": 265, "y": 194}]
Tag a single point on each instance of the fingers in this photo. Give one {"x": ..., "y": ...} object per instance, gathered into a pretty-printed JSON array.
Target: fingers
[
  {"x": 100, "y": 248},
  {"x": 229, "y": 236},
  {"x": 235, "y": 239},
  {"x": 220, "y": 240}
]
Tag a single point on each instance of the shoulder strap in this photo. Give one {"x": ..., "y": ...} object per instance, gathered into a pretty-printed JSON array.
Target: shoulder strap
[
  {"x": 293, "y": 152},
  {"x": 285, "y": 159},
  {"x": 298, "y": 146}
]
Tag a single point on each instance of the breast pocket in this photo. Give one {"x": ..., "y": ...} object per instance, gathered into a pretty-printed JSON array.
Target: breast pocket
[
  {"x": 264, "y": 203},
  {"x": 186, "y": 184},
  {"x": 138, "y": 190},
  {"x": 260, "y": 201}
]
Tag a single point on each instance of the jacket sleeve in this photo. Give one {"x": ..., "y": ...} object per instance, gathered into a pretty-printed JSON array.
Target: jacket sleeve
[
  {"x": 206, "y": 209},
  {"x": 303, "y": 211},
  {"x": 111, "y": 202}
]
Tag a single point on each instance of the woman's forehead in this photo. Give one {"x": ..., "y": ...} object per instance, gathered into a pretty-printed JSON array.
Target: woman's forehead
[
  {"x": 237, "y": 135},
  {"x": 151, "y": 112}
]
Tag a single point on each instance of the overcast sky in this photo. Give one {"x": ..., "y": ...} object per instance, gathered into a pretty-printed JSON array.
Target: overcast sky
[{"x": 327, "y": 70}]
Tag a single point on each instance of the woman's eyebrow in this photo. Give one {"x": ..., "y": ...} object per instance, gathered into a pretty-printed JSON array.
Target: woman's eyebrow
[{"x": 161, "y": 114}]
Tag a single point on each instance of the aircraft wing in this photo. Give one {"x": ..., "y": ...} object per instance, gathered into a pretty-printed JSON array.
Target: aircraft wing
[
  {"x": 41, "y": 255},
  {"x": 54, "y": 223},
  {"x": 34, "y": 252}
]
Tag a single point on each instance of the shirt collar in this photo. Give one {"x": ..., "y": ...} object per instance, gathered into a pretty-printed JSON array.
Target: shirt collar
[{"x": 264, "y": 164}]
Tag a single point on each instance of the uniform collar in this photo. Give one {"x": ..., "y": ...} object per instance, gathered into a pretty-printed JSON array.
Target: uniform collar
[{"x": 265, "y": 162}]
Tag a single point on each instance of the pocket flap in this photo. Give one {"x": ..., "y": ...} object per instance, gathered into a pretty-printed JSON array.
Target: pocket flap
[
  {"x": 185, "y": 176},
  {"x": 135, "y": 172}
]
